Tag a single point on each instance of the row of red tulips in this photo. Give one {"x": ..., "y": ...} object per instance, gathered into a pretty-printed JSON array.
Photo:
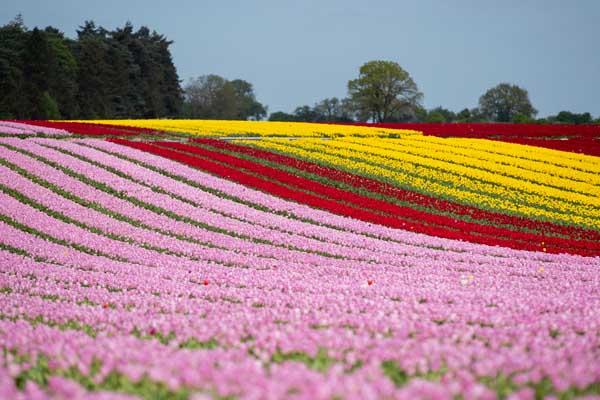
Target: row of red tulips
[
  {"x": 87, "y": 128},
  {"x": 375, "y": 186},
  {"x": 345, "y": 203},
  {"x": 583, "y": 139},
  {"x": 589, "y": 146},
  {"x": 490, "y": 129}
]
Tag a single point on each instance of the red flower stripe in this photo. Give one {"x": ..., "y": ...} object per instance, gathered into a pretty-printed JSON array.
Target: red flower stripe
[
  {"x": 401, "y": 194},
  {"x": 488, "y": 129},
  {"x": 365, "y": 202},
  {"x": 85, "y": 128},
  {"x": 571, "y": 246},
  {"x": 583, "y": 139},
  {"x": 573, "y": 145}
]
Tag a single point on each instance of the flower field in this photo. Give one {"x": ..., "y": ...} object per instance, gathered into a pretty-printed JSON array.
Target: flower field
[{"x": 253, "y": 260}]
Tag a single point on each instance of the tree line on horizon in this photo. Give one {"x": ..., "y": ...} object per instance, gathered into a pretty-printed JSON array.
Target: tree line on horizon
[
  {"x": 127, "y": 73},
  {"x": 385, "y": 92},
  {"x": 101, "y": 74}
]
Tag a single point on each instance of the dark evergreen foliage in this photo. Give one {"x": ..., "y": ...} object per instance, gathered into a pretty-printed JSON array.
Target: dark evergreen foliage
[{"x": 101, "y": 74}]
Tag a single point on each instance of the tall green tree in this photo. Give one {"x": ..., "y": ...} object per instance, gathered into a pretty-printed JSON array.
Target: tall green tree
[
  {"x": 63, "y": 72},
  {"x": 383, "y": 92},
  {"x": 37, "y": 60},
  {"x": 13, "y": 37},
  {"x": 202, "y": 95},
  {"x": 170, "y": 87},
  {"x": 247, "y": 105},
  {"x": 94, "y": 76},
  {"x": 506, "y": 103},
  {"x": 132, "y": 96}
]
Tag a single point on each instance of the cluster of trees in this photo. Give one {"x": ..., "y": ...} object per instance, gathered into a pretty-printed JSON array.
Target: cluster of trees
[
  {"x": 567, "y": 117},
  {"x": 385, "y": 92},
  {"x": 125, "y": 73},
  {"x": 440, "y": 114},
  {"x": 100, "y": 74},
  {"x": 327, "y": 110},
  {"x": 214, "y": 97}
]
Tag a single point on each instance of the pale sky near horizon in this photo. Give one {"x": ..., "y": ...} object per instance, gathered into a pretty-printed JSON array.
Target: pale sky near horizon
[{"x": 299, "y": 52}]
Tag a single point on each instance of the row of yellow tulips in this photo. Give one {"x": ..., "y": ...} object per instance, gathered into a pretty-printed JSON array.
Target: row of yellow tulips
[
  {"x": 462, "y": 183},
  {"x": 505, "y": 177},
  {"x": 212, "y": 128}
]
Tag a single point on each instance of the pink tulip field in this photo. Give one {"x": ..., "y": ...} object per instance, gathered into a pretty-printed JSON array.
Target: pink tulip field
[{"x": 124, "y": 274}]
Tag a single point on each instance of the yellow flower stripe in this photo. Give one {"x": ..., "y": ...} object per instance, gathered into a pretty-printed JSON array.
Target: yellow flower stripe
[
  {"x": 217, "y": 128},
  {"x": 506, "y": 177},
  {"x": 581, "y": 162},
  {"x": 572, "y": 169},
  {"x": 552, "y": 177},
  {"x": 395, "y": 159},
  {"x": 459, "y": 186}
]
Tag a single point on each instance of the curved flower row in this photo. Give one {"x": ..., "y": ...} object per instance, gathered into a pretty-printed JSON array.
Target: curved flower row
[
  {"x": 464, "y": 184},
  {"x": 216, "y": 128},
  {"x": 556, "y": 180},
  {"x": 391, "y": 192},
  {"x": 583, "y": 139},
  {"x": 361, "y": 207},
  {"x": 88, "y": 128},
  {"x": 22, "y": 128}
]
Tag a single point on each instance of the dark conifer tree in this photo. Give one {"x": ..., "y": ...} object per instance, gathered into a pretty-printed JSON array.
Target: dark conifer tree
[
  {"x": 13, "y": 37},
  {"x": 101, "y": 74}
]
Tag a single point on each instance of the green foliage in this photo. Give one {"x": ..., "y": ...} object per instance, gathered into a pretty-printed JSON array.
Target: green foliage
[
  {"x": 320, "y": 362},
  {"x": 384, "y": 92},
  {"x": 334, "y": 110},
  {"x": 12, "y": 42},
  {"x": 6, "y": 290},
  {"x": 144, "y": 388},
  {"x": 440, "y": 114},
  {"x": 435, "y": 117},
  {"x": 36, "y": 59},
  {"x": 49, "y": 107},
  {"x": 505, "y": 103},
  {"x": 567, "y": 117},
  {"x": 282, "y": 116},
  {"x": 194, "y": 343},
  {"x": 93, "y": 70},
  {"x": 247, "y": 106},
  {"x": 38, "y": 373},
  {"x": 326, "y": 110},
  {"x": 392, "y": 371},
  {"x": 214, "y": 97},
  {"x": 101, "y": 74},
  {"x": 522, "y": 119},
  {"x": 463, "y": 115},
  {"x": 63, "y": 70},
  {"x": 501, "y": 384}
]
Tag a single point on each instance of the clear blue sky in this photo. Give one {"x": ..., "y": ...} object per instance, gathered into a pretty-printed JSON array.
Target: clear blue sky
[{"x": 299, "y": 52}]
